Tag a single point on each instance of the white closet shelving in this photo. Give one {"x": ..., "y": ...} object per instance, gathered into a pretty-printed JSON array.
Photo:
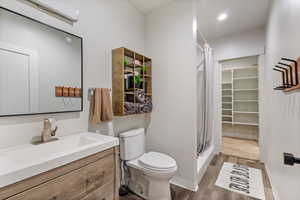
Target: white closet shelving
[
  {"x": 240, "y": 96},
  {"x": 227, "y": 97}
]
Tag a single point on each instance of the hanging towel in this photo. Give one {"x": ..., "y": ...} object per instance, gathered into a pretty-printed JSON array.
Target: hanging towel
[
  {"x": 106, "y": 107},
  {"x": 96, "y": 107},
  {"x": 102, "y": 107}
]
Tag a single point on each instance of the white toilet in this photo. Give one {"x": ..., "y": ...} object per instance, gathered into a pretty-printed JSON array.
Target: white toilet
[{"x": 157, "y": 168}]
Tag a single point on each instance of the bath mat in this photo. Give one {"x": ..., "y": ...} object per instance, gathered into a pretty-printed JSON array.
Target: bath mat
[{"x": 241, "y": 179}]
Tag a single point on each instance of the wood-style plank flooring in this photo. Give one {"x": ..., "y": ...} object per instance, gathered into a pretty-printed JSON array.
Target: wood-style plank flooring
[
  {"x": 241, "y": 148},
  {"x": 208, "y": 190}
]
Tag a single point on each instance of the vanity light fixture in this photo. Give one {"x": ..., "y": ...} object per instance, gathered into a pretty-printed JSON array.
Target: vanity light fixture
[
  {"x": 222, "y": 17},
  {"x": 57, "y": 7}
]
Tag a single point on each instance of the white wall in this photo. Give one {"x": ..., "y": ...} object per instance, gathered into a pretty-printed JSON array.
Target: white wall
[
  {"x": 238, "y": 45},
  {"x": 173, "y": 128},
  {"x": 283, "y": 114},
  {"x": 103, "y": 25}
]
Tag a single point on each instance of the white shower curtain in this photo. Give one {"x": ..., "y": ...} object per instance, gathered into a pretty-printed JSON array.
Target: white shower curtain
[{"x": 205, "y": 99}]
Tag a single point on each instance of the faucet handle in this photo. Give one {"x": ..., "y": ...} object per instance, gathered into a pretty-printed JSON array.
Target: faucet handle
[
  {"x": 53, "y": 132},
  {"x": 51, "y": 124}
]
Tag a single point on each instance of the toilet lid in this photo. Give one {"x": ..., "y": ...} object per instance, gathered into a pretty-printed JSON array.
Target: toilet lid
[{"x": 158, "y": 161}]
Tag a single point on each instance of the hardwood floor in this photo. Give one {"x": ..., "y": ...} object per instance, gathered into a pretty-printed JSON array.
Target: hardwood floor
[
  {"x": 208, "y": 190},
  {"x": 241, "y": 148}
]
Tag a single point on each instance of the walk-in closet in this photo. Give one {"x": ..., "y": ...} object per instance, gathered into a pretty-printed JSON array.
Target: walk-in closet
[{"x": 240, "y": 100}]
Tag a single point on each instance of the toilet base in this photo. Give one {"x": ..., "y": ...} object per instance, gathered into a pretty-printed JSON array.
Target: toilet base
[
  {"x": 159, "y": 189},
  {"x": 149, "y": 185},
  {"x": 138, "y": 183}
]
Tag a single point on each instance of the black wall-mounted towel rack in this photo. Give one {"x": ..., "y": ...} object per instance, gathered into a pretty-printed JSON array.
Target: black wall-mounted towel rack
[{"x": 289, "y": 72}]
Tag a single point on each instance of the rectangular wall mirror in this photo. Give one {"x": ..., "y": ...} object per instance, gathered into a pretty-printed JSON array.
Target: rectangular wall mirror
[{"x": 35, "y": 60}]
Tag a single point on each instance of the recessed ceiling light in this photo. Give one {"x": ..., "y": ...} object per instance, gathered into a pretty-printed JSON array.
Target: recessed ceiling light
[{"x": 222, "y": 17}]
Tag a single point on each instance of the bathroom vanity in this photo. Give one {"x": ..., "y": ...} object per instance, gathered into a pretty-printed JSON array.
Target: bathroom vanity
[{"x": 78, "y": 167}]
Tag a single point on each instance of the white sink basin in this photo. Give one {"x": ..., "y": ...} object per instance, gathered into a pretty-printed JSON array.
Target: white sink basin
[{"x": 25, "y": 161}]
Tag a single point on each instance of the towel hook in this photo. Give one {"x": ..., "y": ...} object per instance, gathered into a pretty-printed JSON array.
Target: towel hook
[
  {"x": 283, "y": 80},
  {"x": 291, "y": 73},
  {"x": 285, "y": 73},
  {"x": 296, "y": 68}
]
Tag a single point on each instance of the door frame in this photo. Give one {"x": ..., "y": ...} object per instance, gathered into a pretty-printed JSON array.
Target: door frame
[
  {"x": 218, "y": 99},
  {"x": 33, "y": 72}
]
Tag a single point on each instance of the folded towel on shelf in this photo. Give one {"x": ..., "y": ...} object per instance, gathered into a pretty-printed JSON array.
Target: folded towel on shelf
[
  {"x": 101, "y": 106},
  {"x": 129, "y": 108},
  {"x": 143, "y": 104}
]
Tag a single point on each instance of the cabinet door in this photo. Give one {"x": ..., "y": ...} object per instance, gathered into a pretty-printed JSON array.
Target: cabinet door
[
  {"x": 74, "y": 185},
  {"x": 104, "y": 193}
]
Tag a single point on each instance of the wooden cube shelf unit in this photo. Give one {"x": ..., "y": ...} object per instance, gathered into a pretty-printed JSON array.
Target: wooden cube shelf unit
[{"x": 131, "y": 76}]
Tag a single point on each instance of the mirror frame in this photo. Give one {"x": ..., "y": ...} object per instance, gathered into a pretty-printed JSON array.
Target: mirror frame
[{"x": 81, "y": 40}]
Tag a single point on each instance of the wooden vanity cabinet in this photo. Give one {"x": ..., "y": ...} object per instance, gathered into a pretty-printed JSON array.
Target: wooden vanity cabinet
[{"x": 93, "y": 178}]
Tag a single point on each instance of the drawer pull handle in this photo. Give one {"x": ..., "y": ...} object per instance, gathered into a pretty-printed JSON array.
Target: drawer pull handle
[{"x": 53, "y": 198}]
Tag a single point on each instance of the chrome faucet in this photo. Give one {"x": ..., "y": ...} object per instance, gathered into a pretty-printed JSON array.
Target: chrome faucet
[{"x": 48, "y": 131}]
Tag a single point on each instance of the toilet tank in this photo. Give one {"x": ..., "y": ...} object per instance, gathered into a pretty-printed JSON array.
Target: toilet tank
[{"x": 132, "y": 144}]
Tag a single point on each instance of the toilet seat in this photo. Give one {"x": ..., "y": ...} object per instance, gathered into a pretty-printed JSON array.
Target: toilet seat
[{"x": 157, "y": 162}]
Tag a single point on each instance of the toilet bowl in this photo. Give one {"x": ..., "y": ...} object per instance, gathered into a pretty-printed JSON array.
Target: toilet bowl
[{"x": 158, "y": 168}]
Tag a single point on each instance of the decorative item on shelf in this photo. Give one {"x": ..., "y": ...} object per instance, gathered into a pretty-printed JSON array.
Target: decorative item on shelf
[
  {"x": 66, "y": 92},
  {"x": 144, "y": 69},
  {"x": 78, "y": 92},
  {"x": 289, "y": 74},
  {"x": 63, "y": 91},
  {"x": 138, "y": 81},
  {"x": 137, "y": 62},
  {"x": 58, "y": 91},
  {"x": 126, "y": 63},
  {"x": 71, "y": 92}
]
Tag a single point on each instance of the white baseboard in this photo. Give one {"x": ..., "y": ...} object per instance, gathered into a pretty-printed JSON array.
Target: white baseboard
[
  {"x": 275, "y": 193},
  {"x": 189, "y": 185}
]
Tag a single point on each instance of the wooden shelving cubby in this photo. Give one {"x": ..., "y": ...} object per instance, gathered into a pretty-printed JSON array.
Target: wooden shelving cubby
[{"x": 131, "y": 82}]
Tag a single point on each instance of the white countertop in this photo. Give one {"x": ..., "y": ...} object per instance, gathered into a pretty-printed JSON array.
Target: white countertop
[{"x": 25, "y": 161}]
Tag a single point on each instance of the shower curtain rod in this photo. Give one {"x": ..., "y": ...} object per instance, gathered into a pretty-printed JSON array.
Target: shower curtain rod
[
  {"x": 201, "y": 36},
  {"x": 201, "y": 41}
]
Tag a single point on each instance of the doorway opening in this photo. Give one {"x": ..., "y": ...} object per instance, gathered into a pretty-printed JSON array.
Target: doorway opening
[{"x": 240, "y": 107}]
